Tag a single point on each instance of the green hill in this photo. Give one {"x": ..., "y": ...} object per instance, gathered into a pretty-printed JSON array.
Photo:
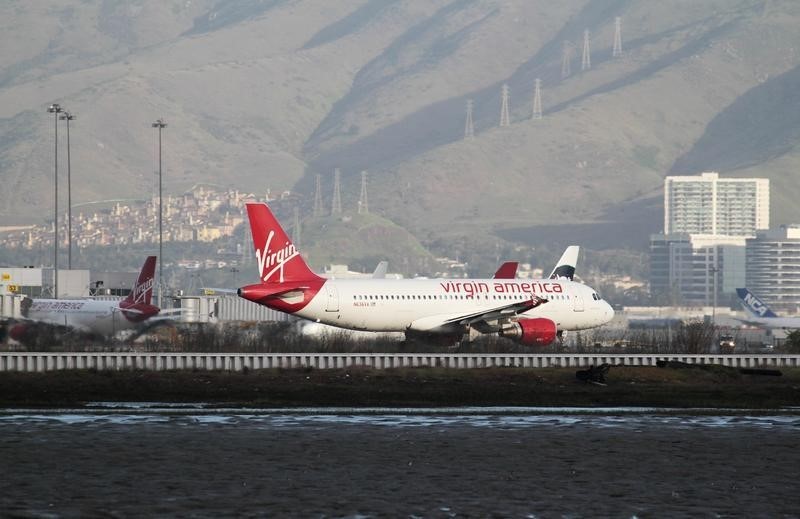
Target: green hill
[{"x": 361, "y": 241}]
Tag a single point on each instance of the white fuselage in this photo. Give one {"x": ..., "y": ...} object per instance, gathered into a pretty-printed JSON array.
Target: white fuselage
[
  {"x": 774, "y": 323},
  {"x": 422, "y": 304},
  {"x": 100, "y": 317}
]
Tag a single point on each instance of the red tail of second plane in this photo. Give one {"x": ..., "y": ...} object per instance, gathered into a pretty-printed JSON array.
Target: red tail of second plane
[
  {"x": 137, "y": 306},
  {"x": 142, "y": 293}
]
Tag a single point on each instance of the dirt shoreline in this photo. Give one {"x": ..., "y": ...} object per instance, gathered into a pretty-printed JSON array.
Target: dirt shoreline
[{"x": 407, "y": 387}]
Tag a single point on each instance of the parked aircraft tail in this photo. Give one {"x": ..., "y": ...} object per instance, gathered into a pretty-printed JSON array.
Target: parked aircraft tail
[
  {"x": 142, "y": 292},
  {"x": 565, "y": 268},
  {"x": 507, "y": 270},
  {"x": 753, "y": 304},
  {"x": 380, "y": 270},
  {"x": 137, "y": 306},
  {"x": 278, "y": 259}
]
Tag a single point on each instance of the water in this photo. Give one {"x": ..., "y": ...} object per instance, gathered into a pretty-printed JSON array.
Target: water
[{"x": 318, "y": 462}]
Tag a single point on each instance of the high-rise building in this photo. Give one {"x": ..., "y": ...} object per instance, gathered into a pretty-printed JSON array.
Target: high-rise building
[
  {"x": 690, "y": 269},
  {"x": 773, "y": 267},
  {"x": 707, "y": 204},
  {"x": 700, "y": 258}
]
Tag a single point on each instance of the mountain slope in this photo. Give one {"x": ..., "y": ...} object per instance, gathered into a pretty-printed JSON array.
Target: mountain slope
[{"x": 267, "y": 94}]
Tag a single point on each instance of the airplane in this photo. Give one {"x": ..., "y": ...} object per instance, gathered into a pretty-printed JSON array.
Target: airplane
[
  {"x": 95, "y": 317},
  {"x": 761, "y": 314},
  {"x": 507, "y": 270},
  {"x": 530, "y": 312}
]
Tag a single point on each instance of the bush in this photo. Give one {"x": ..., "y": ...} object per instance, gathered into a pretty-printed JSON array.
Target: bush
[{"x": 792, "y": 344}]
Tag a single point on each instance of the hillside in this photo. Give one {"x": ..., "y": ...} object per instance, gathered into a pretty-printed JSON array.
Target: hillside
[
  {"x": 267, "y": 94},
  {"x": 362, "y": 241}
]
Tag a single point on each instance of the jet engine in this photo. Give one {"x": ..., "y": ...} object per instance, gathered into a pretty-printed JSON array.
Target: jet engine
[
  {"x": 531, "y": 332},
  {"x": 19, "y": 332}
]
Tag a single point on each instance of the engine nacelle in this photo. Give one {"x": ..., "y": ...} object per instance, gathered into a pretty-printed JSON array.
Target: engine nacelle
[
  {"x": 531, "y": 332},
  {"x": 19, "y": 332}
]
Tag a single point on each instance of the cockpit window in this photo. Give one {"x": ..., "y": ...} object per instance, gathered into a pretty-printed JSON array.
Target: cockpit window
[{"x": 596, "y": 296}]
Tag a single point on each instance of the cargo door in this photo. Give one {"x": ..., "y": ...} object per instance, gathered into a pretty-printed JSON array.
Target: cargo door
[
  {"x": 577, "y": 302},
  {"x": 333, "y": 298}
]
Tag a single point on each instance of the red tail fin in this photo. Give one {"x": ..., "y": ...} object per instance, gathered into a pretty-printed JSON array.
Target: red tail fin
[
  {"x": 507, "y": 270},
  {"x": 142, "y": 292},
  {"x": 278, "y": 260}
]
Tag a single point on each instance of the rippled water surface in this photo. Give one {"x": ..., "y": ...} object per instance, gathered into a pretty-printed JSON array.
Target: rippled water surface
[{"x": 190, "y": 460}]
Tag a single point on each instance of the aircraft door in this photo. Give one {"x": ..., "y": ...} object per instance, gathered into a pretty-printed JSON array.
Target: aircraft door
[
  {"x": 333, "y": 298},
  {"x": 577, "y": 303}
]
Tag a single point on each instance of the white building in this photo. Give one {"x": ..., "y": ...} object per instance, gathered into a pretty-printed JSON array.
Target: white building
[{"x": 707, "y": 204}]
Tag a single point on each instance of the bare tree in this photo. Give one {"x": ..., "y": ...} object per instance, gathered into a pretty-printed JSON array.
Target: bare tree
[{"x": 694, "y": 336}]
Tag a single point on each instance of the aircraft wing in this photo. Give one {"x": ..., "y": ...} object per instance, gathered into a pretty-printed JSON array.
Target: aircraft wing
[{"x": 505, "y": 311}]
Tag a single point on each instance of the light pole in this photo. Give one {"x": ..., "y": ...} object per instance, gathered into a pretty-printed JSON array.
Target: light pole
[
  {"x": 160, "y": 124},
  {"x": 67, "y": 116},
  {"x": 714, "y": 270},
  {"x": 55, "y": 109}
]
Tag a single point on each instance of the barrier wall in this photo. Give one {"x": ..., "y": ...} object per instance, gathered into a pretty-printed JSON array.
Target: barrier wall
[{"x": 37, "y": 362}]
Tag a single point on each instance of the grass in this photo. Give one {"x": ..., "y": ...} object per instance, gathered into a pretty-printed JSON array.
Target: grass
[{"x": 426, "y": 387}]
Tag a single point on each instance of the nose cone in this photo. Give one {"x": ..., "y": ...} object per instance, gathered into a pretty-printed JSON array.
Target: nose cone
[{"x": 608, "y": 312}]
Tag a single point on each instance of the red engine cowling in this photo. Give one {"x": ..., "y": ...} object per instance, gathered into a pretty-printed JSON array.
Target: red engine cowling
[
  {"x": 531, "y": 332},
  {"x": 18, "y": 332}
]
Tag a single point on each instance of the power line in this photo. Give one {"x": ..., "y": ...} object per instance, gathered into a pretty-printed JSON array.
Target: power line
[
  {"x": 363, "y": 203},
  {"x": 617, "y": 51},
  {"x": 336, "y": 205},
  {"x": 505, "y": 120},
  {"x": 318, "y": 198},
  {"x": 296, "y": 230},
  {"x": 566, "y": 56},
  {"x": 586, "y": 60},
  {"x": 469, "y": 127},
  {"x": 537, "y": 99}
]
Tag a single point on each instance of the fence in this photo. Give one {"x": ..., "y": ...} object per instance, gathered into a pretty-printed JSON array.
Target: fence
[{"x": 38, "y": 362}]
